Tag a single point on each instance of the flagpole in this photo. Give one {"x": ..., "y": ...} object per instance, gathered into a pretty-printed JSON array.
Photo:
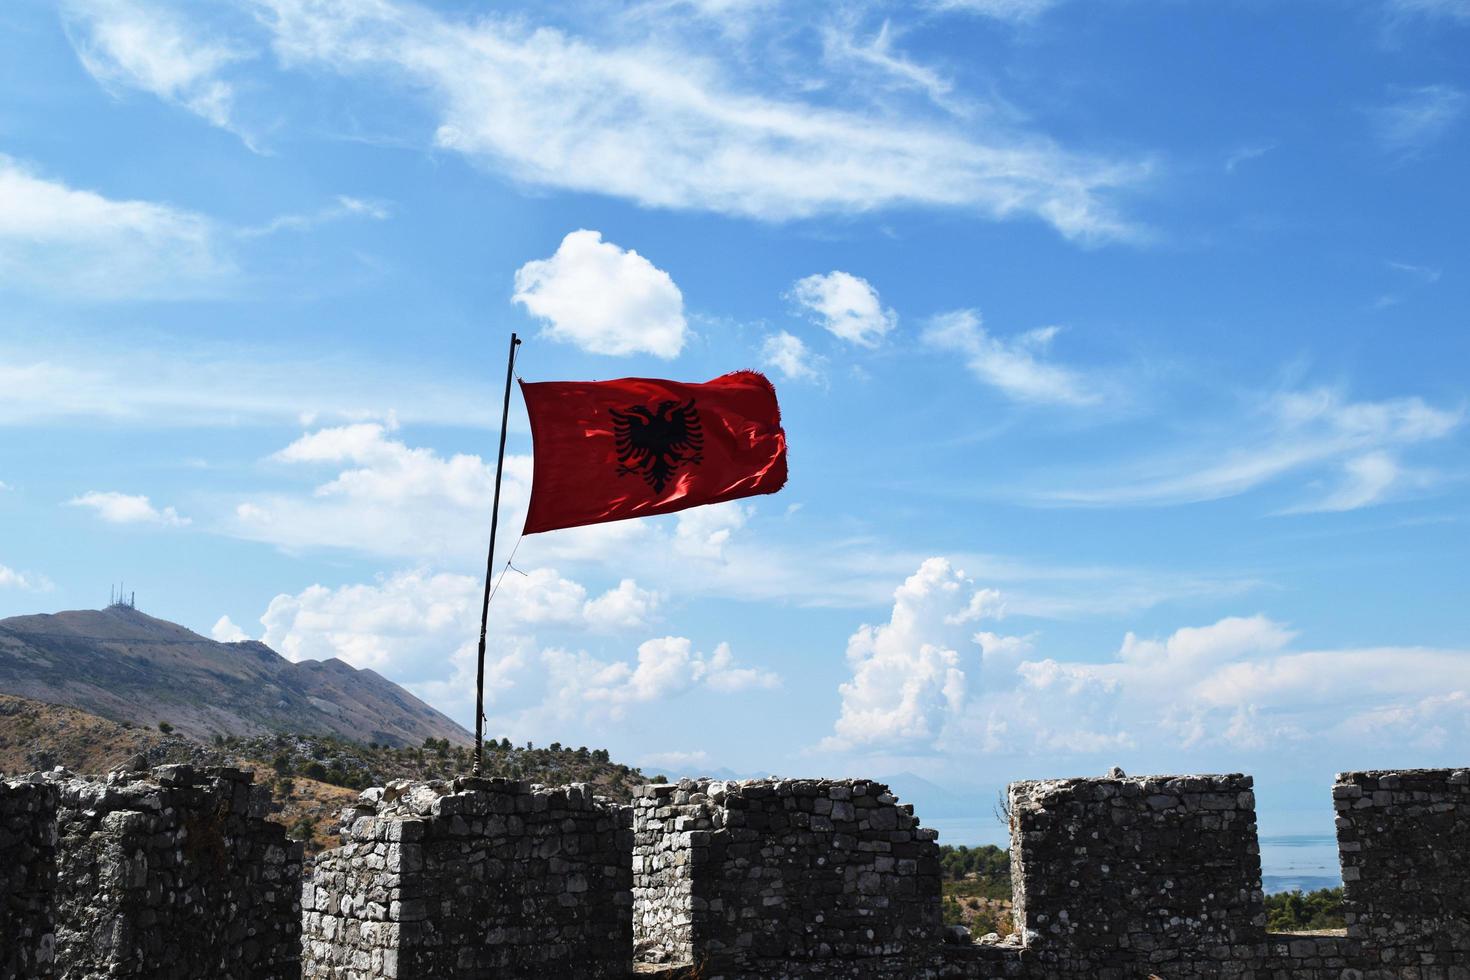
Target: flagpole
[{"x": 510, "y": 365}]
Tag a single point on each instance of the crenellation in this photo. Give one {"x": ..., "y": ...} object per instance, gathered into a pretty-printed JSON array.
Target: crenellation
[
  {"x": 1122, "y": 873},
  {"x": 174, "y": 874},
  {"x": 779, "y": 875},
  {"x": 177, "y": 873},
  {"x": 1404, "y": 839},
  {"x": 478, "y": 878}
]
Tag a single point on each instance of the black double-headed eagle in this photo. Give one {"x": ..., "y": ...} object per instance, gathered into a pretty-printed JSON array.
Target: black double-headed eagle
[{"x": 653, "y": 443}]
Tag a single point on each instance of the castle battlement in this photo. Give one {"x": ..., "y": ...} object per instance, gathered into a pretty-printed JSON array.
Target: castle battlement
[{"x": 176, "y": 874}]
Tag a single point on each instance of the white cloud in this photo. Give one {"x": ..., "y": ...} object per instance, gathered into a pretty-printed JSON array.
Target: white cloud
[
  {"x": 664, "y": 667},
  {"x": 1239, "y": 683},
  {"x": 909, "y": 678},
  {"x": 1296, "y": 432},
  {"x": 144, "y": 46},
  {"x": 397, "y": 621},
  {"x": 1014, "y": 366},
  {"x": 122, "y": 508},
  {"x": 623, "y": 608},
  {"x": 666, "y": 128},
  {"x": 604, "y": 299},
  {"x": 703, "y": 532},
  {"x": 226, "y": 631},
  {"x": 1010, "y": 10},
  {"x": 192, "y": 387},
  {"x": 846, "y": 305},
  {"x": 842, "y": 45},
  {"x": 344, "y": 207},
  {"x": 1415, "y": 118},
  {"x": 788, "y": 355},
  {"x": 1236, "y": 684},
  {"x": 1245, "y": 154},
  {"x": 54, "y": 238},
  {"x": 386, "y": 497},
  {"x": 24, "y": 581}
]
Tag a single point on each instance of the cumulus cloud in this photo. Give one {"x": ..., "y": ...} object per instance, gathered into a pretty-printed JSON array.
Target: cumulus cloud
[
  {"x": 604, "y": 299},
  {"x": 395, "y": 622},
  {"x": 385, "y": 497},
  {"x": 122, "y": 508},
  {"x": 1015, "y": 366},
  {"x": 789, "y": 356},
  {"x": 149, "y": 48},
  {"x": 23, "y": 581},
  {"x": 1293, "y": 432},
  {"x": 668, "y": 128},
  {"x": 1237, "y": 683},
  {"x": 909, "y": 678},
  {"x": 703, "y": 532},
  {"x": 420, "y": 628},
  {"x": 55, "y": 238},
  {"x": 226, "y": 631},
  {"x": 664, "y": 667},
  {"x": 846, "y": 305}
]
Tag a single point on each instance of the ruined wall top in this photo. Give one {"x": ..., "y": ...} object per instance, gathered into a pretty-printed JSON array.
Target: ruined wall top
[
  {"x": 1404, "y": 838},
  {"x": 1116, "y": 872}
]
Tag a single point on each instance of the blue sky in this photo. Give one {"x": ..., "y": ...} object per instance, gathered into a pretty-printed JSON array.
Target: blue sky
[{"x": 1121, "y": 347}]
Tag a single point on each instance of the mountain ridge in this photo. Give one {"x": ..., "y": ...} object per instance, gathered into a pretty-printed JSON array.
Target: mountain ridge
[{"x": 125, "y": 665}]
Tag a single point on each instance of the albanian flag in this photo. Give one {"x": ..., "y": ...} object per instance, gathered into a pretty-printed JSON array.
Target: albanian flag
[{"x": 610, "y": 450}]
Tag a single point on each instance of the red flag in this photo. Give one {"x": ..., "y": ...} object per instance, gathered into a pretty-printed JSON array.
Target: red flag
[{"x": 610, "y": 450}]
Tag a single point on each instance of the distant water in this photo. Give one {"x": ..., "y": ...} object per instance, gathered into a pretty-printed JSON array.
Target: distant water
[
  {"x": 1305, "y": 861},
  {"x": 1288, "y": 862}
]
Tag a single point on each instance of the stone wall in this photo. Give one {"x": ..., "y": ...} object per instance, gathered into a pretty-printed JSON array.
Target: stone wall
[
  {"x": 480, "y": 878},
  {"x": 1117, "y": 874},
  {"x": 27, "y": 878},
  {"x": 787, "y": 878},
  {"x": 175, "y": 875},
  {"x": 1404, "y": 838}
]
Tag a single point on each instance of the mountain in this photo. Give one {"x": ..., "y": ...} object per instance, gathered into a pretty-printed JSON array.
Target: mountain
[{"x": 129, "y": 667}]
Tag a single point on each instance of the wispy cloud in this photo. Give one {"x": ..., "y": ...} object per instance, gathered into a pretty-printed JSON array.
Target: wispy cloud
[
  {"x": 344, "y": 207},
  {"x": 1015, "y": 365},
  {"x": 1315, "y": 431},
  {"x": 59, "y": 239},
  {"x": 1245, "y": 154},
  {"x": 1413, "y": 119},
  {"x": 666, "y": 128},
  {"x": 1451, "y": 9},
  {"x": 122, "y": 508},
  {"x": 194, "y": 386},
  {"x": 843, "y": 45},
  {"x": 1009, "y": 10},
  {"x": 151, "y": 48}
]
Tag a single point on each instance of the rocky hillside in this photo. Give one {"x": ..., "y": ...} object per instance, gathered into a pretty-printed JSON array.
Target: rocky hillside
[{"x": 125, "y": 666}]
